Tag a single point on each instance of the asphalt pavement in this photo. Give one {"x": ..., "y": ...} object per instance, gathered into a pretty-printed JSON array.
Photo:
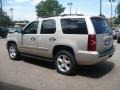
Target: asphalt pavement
[{"x": 32, "y": 74}]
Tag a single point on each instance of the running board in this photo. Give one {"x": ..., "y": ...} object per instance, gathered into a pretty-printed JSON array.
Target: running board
[{"x": 37, "y": 57}]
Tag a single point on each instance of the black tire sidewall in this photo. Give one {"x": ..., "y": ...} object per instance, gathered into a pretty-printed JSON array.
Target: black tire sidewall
[
  {"x": 118, "y": 41},
  {"x": 3, "y": 36},
  {"x": 72, "y": 60}
]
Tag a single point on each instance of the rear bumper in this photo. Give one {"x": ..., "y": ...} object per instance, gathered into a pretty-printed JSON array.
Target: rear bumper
[{"x": 90, "y": 58}]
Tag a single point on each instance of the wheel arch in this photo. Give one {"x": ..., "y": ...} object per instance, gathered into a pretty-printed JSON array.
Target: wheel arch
[
  {"x": 9, "y": 42},
  {"x": 62, "y": 47}
]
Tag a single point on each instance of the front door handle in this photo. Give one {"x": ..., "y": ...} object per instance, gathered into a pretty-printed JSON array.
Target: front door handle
[
  {"x": 52, "y": 39},
  {"x": 33, "y": 38}
]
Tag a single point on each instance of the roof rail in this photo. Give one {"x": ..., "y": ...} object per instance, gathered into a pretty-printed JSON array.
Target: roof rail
[{"x": 72, "y": 14}]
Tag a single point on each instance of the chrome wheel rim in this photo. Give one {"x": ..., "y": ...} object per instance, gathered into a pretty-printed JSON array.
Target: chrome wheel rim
[
  {"x": 63, "y": 63},
  {"x": 12, "y": 52}
]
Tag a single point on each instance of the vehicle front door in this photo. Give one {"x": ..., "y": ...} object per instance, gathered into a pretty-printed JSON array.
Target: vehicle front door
[{"x": 29, "y": 38}]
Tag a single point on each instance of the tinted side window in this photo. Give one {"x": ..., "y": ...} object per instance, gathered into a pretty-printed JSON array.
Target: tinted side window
[
  {"x": 100, "y": 25},
  {"x": 74, "y": 26},
  {"x": 31, "y": 28},
  {"x": 48, "y": 27}
]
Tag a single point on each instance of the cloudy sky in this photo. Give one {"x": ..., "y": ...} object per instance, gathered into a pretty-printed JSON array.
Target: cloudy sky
[{"x": 25, "y": 9}]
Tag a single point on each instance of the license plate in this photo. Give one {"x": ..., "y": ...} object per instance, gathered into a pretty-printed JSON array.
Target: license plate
[{"x": 107, "y": 42}]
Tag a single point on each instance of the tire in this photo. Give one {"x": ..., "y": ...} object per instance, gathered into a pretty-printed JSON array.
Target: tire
[
  {"x": 65, "y": 63},
  {"x": 118, "y": 41},
  {"x": 3, "y": 36},
  {"x": 13, "y": 52}
]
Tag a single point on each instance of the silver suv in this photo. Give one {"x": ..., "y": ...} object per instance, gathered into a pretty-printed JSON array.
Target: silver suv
[{"x": 66, "y": 40}]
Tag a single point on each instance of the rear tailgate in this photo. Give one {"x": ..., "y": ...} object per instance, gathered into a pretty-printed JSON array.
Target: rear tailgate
[
  {"x": 104, "y": 42},
  {"x": 104, "y": 35}
]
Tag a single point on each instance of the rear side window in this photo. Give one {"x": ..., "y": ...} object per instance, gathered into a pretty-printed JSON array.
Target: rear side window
[
  {"x": 48, "y": 27},
  {"x": 74, "y": 26},
  {"x": 100, "y": 25}
]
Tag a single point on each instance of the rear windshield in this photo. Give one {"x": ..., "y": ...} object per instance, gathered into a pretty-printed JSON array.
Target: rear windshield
[
  {"x": 100, "y": 25},
  {"x": 74, "y": 26}
]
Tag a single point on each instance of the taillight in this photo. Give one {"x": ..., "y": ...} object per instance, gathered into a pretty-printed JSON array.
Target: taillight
[{"x": 91, "y": 42}]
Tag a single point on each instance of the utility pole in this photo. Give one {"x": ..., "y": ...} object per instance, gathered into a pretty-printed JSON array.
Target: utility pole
[
  {"x": 11, "y": 9},
  {"x": 115, "y": 12},
  {"x": 100, "y": 7},
  {"x": 76, "y": 12},
  {"x": 70, "y": 4},
  {"x": 111, "y": 8},
  {"x": 1, "y": 10},
  {"x": 111, "y": 1}
]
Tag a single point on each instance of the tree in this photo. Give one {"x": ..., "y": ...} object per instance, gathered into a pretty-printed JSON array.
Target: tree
[
  {"x": 49, "y": 8},
  {"x": 23, "y": 21},
  {"x": 117, "y": 20},
  {"x": 118, "y": 9},
  {"x": 5, "y": 20}
]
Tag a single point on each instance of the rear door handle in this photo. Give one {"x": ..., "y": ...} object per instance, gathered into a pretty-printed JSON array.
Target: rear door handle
[
  {"x": 33, "y": 38},
  {"x": 52, "y": 39}
]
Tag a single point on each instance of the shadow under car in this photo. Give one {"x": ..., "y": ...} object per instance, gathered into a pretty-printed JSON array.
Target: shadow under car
[
  {"x": 96, "y": 71},
  {"x": 92, "y": 71}
]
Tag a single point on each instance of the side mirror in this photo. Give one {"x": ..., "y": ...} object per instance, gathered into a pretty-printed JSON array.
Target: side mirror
[
  {"x": 18, "y": 31},
  {"x": 22, "y": 31}
]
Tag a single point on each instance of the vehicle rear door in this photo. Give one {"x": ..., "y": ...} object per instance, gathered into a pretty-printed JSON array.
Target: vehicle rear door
[{"x": 47, "y": 38}]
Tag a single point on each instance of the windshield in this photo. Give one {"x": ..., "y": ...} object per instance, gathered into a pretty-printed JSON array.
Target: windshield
[{"x": 100, "y": 25}]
